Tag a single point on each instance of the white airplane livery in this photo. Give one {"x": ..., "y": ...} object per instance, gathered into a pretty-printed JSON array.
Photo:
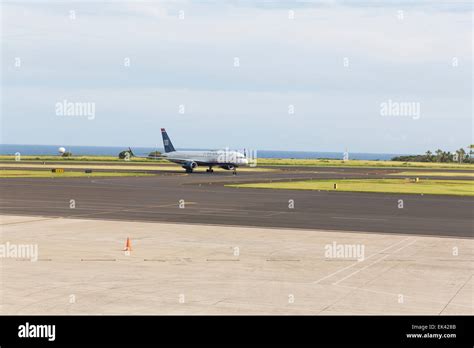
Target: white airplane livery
[{"x": 190, "y": 160}]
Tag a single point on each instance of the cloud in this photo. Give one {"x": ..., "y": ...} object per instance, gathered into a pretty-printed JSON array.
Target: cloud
[{"x": 283, "y": 61}]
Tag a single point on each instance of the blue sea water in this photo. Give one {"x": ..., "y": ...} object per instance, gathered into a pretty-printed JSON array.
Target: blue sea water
[{"x": 28, "y": 150}]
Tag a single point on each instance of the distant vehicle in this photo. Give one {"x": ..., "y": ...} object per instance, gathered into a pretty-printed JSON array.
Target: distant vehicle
[
  {"x": 128, "y": 154},
  {"x": 190, "y": 160}
]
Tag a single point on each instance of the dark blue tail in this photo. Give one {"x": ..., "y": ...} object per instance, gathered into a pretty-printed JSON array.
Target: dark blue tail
[{"x": 166, "y": 141}]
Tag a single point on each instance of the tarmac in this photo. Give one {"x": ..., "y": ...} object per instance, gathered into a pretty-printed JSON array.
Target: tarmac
[{"x": 81, "y": 268}]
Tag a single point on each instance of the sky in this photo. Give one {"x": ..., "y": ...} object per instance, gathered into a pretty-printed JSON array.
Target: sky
[{"x": 366, "y": 76}]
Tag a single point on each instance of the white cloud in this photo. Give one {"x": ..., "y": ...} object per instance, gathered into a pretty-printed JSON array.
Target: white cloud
[{"x": 282, "y": 61}]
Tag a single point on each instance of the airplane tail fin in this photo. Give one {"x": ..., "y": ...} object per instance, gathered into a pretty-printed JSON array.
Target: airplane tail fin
[{"x": 166, "y": 141}]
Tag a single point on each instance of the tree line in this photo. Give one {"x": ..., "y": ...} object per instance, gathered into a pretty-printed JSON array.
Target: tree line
[{"x": 458, "y": 156}]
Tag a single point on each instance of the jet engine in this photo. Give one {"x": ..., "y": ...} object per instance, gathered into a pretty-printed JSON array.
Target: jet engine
[{"x": 189, "y": 166}]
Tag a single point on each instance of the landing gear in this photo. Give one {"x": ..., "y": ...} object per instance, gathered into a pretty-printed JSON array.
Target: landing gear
[
  {"x": 235, "y": 171},
  {"x": 210, "y": 170},
  {"x": 189, "y": 170}
]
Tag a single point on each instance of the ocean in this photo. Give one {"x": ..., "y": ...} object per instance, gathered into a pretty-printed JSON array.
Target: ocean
[{"x": 29, "y": 150}]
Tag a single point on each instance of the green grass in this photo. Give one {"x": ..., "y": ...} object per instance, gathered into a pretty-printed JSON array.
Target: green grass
[
  {"x": 49, "y": 174},
  {"x": 260, "y": 161},
  {"x": 81, "y": 159},
  {"x": 426, "y": 173},
  {"x": 431, "y": 187},
  {"x": 359, "y": 163}
]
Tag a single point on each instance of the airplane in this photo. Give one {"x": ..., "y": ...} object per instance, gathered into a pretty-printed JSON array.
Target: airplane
[{"x": 190, "y": 160}]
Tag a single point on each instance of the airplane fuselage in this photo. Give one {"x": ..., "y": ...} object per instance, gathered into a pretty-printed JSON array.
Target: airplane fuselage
[{"x": 224, "y": 159}]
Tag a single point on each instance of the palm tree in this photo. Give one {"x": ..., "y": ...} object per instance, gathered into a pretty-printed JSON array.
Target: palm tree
[
  {"x": 462, "y": 155},
  {"x": 429, "y": 156},
  {"x": 439, "y": 155},
  {"x": 447, "y": 156}
]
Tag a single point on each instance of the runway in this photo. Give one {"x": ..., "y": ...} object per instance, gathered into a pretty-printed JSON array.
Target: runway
[{"x": 203, "y": 199}]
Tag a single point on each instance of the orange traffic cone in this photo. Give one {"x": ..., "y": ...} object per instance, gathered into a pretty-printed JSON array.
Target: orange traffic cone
[{"x": 128, "y": 245}]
